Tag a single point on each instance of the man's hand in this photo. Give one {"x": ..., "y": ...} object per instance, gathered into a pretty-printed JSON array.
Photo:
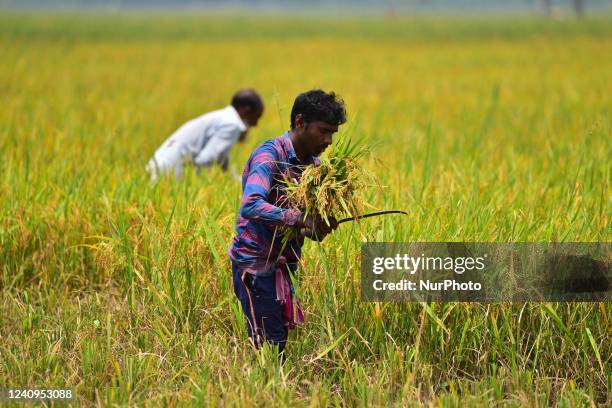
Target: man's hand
[{"x": 315, "y": 227}]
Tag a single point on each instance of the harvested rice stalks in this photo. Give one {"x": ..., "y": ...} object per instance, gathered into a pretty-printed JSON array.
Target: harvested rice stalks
[{"x": 329, "y": 189}]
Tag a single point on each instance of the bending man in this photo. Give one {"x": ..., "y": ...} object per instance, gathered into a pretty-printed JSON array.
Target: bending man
[{"x": 209, "y": 138}]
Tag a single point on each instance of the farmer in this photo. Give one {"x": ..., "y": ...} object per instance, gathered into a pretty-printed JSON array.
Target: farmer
[
  {"x": 208, "y": 139},
  {"x": 261, "y": 261}
]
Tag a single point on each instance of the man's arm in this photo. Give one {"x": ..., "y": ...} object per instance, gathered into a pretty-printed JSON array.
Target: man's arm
[
  {"x": 218, "y": 146},
  {"x": 255, "y": 205}
]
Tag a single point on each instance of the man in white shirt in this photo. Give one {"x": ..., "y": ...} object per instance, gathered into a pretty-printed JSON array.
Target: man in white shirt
[{"x": 209, "y": 138}]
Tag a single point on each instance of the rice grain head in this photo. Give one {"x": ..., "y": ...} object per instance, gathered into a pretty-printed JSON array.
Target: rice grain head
[{"x": 331, "y": 188}]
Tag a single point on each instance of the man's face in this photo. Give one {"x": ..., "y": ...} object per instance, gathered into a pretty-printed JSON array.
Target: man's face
[
  {"x": 251, "y": 116},
  {"x": 318, "y": 137}
]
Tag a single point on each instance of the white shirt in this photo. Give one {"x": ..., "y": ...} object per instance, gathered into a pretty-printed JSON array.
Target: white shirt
[{"x": 202, "y": 141}]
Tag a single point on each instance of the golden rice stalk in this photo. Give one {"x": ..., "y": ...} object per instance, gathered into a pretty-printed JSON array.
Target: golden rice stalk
[{"x": 330, "y": 188}]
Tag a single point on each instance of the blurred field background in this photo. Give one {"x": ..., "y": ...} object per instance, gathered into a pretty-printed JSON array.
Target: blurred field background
[{"x": 485, "y": 128}]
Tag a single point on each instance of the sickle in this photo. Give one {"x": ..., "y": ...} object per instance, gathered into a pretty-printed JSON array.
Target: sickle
[{"x": 374, "y": 214}]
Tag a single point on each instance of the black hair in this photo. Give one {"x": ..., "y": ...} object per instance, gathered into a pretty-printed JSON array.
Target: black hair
[
  {"x": 247, "y": 98},
  {"x": 317, "y": 105}
]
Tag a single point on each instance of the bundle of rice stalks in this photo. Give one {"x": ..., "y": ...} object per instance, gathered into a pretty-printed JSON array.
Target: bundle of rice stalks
[{"x": 329, "y": 189}]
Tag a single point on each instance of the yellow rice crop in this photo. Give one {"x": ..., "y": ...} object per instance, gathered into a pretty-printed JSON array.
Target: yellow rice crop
[{"x": 331, "y": 189}]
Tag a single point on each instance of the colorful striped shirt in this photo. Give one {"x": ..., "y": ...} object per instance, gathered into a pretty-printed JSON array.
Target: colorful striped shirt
[{"x": 264, "y": 214}]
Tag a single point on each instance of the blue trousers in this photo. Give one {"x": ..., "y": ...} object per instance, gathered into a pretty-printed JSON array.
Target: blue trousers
[{"x": 264, "y": 315}]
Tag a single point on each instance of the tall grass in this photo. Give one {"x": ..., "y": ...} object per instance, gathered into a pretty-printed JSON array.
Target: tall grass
[{"x": 121, "y": 289}]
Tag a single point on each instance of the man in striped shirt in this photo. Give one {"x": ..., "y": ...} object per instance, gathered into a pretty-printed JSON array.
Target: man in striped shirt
[{"x": 261, "y": 261}]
